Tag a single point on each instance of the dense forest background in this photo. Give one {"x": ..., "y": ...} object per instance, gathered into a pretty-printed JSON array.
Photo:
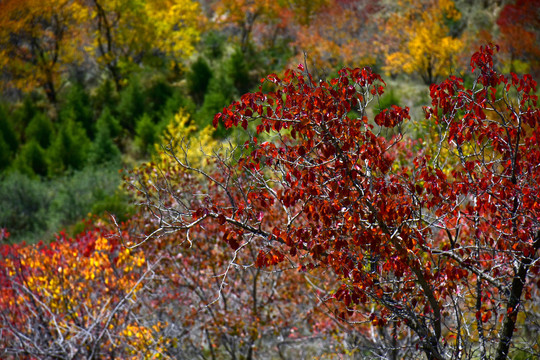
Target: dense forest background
[{"x": 95, "y": 92}]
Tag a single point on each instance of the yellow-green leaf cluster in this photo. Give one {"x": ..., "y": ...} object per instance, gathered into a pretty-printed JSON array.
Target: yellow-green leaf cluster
[{"x": 189, "y": 144}]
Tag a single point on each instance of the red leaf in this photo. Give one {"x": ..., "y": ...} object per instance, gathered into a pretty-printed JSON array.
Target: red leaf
[{"x": 216, "y": 119}]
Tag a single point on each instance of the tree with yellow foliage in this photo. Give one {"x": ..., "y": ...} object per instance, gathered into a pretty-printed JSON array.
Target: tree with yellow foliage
[
  {"x": 177, "y": 136},
  {"x": 182, "y": 143},
  {"x": 38, "y": 40},
  {"x": 417, "y": 39},
  {"x": 129, "y": 33}
]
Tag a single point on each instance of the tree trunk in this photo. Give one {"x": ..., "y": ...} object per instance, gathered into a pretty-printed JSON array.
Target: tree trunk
[{"x": 513, "y": 306}]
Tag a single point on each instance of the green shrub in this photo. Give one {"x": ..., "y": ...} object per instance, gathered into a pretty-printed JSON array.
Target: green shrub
[
  {"x": 173, "y": 104},
  {"x": 24, "y": 205},
  {"x": 105, "y": 96},
  {"x": 24, "y": 113},
  {"x": 76, "y": 194},
  {"x": 110, "y": 122},
  {"x": 217, "y": 97},
  {"x": 117, "y": 205},
  {"x": 34, "y": 209},
  {"x": 273, "y": 58},
  {"x": 5, "y": 154},
  {"x": 213, "y": 44},
  {"x": 157, "y": 95}
]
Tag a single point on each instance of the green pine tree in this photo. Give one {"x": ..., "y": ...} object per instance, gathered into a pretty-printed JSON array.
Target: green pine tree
[
  {"x": 69, "y": 149},
  {"x": 145, "y": 134},
  {"x": 5, "y": 154},
  {"x": 103, "y": 148},
  {"x": 78, "y": 108},
  {"x": 105, "y": 96},
  {"x": 40, "y": 129},
  {"x": 7, "y": 130},
  {"x": 31, "y": 160},
  {"x": 198, "y": 79},
  {"x": 131, "y": 106}
]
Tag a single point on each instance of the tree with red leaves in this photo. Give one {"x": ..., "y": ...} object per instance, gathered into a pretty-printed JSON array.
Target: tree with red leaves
[{"x": 438, "y": 237}]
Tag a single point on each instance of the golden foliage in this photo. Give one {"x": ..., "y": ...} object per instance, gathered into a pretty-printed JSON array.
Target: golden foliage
[
  {"x": 419, "y": 39},
  {"x": 38, "y": 39},
  {"x": 189, "y": 144},
  {"x": 127, "y": 32}
]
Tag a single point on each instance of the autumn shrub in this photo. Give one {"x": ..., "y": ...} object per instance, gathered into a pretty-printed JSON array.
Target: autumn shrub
[
  {"x": 430, "y": 246},
  {"x": 74, "y": 298},
  {"x": 421, "y": 39},
  {"x": 518, "y": 35},
  {"x": 251, "y": 314},
  {"x": 323, "y": 216}
]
